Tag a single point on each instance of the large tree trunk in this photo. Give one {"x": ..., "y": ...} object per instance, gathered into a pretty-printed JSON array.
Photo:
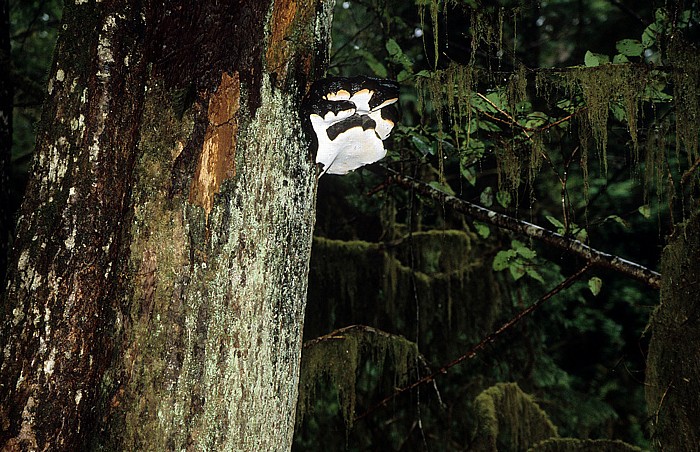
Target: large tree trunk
[
  {"x": 156, "y": 292},
  {"x": 673, "y": 363}
]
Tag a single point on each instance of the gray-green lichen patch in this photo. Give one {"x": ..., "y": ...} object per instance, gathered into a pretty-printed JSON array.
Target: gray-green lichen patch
[{"x": 218, "y": 303}]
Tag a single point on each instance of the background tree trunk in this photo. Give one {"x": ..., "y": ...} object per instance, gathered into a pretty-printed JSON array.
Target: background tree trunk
[
  {"x": 157, "y": 288},
  {"x": 673, "y": 363},
  {"x": 6, "y": 107}
]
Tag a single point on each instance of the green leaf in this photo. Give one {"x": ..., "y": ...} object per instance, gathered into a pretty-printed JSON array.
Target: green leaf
[
  {"x": 590, "y": 60},
  {"x": 618, "y": 220},
  {"x": 536, "y": 119},
  {"x": 523, "y": 250},
  {"x": 480, "y": 104},
  {"x": 555, "y": 222},
  {"x": 595, "y": 59},
  {"x": 403, "y": 76},
  {"x": 393, "y": 47},
  {"x": 503, "y": 198},
  {"x": 630, "y": 47},
  {"x": 482, "y": 229},
  {"x": 374, "y": 64},
  {"x": 567, "y": 105},
  {"x": 486, "y": 197},
  {"x": 618, "y": 112},
  {"x": 502, "y": 260},
  {"x": 517, "y": 271},
  {"x": 398, "y": 56},
  {"x": 649, "y": 35},
  {"x": 422, "y": 144},
  {"x": 581, "y": 235},
  {"x": 498, "y": 98},
  {"x": 467, "y": 170},
  {"x": 595, "y": 284},
  {"x": 534, "y": 274},
  {"x": 645, "y": 210},
  {"x": 620, "y": 59},
  {"x": 442, "y": 187}
]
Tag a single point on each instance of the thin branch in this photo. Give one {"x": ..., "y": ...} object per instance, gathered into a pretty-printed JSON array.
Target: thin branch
[
  {"x": 482, "y": 344},
  {"x": 594, "y": 257},
  {"x": 688, "y": 174}
]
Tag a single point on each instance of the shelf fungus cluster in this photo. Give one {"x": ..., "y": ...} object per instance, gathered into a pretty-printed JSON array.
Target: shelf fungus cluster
[{"x": 350, "y": 118}]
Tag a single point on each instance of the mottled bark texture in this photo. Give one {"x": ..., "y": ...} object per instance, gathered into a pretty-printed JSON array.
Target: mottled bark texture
[
  {"x": 673, "y": 363},
  {"x": 156, "y": 293}
]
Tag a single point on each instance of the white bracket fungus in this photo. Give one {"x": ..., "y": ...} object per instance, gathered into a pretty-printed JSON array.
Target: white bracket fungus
[{"x": 350, "y": 118}]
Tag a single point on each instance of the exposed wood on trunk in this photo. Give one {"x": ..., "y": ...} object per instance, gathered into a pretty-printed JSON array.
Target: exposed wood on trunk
[{"x": 217, "y": 160}]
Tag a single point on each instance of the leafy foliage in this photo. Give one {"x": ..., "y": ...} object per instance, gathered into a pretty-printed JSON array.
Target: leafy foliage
[{"x": 503, "y": 106}]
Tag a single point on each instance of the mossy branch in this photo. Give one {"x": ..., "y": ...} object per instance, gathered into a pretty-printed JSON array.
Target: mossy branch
[
  {"x": 471, "y": 353},
  {"x": 593, "y": 257}
]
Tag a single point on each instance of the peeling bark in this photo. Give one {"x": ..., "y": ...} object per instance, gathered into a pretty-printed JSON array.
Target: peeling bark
[{"x": 157, "y": 290}]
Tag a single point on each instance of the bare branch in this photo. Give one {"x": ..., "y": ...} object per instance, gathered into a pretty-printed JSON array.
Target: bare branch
[{"x": 595, "y": 258}]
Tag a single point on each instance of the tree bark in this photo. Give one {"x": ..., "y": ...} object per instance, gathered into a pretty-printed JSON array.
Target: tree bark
[
  {"x": 156, "y": 293},
  {"x": 673, "y": 362}
]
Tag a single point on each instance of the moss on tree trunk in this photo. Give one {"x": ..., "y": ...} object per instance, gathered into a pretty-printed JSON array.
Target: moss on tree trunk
[
  {"x": 157, "y": 292},
  {"x": 673, "y": 363}
]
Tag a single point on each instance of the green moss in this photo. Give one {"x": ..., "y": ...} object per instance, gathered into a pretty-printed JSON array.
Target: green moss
[
  {"x": 599, "y": 87},
  {"x": 428, "y": 271},
  {"x": 685, "y": 59},
  {"x": 583, "y": 445},
  {"x": 338, "y": 357},
  {"x": 431, "y": 266},
  {"x": 673, "y": 362},
  {"x": 509, "y": 419}
]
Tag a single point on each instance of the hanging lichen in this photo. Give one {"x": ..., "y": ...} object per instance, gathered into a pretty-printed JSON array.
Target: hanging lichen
[
  {"x": 377, "y": 283},
  {"x": 583, "y": 445},
  {"x": 517, "y": 87},
  {"x": 655, "y": 171},
  {"x": 600, "y": 86},
  {"x": 509, "y": 420},
  {"x": 337, "y": 356},
  {"x": 685, "y": 59},
  {"x": 433, "y": 6}
]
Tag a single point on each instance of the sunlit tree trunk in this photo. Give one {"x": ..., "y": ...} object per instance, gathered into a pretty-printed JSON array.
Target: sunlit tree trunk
[{"x": 156, "y": 291}]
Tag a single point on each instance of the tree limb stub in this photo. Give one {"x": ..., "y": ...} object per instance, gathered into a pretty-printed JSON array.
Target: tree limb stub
[{"x": 594, "y": 257}]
